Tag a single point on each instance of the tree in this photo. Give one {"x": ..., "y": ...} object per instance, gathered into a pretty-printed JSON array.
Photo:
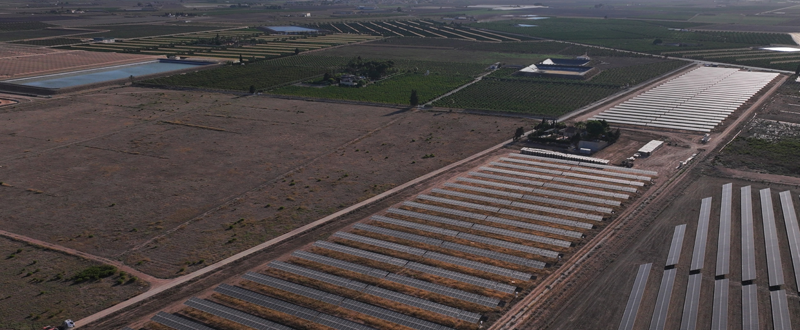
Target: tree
[
  {"x": 297, "y": 51},
  {"x": 252, "y": 89},
  {"x": 327, "y": 76},
  {"x": 241, "y": 60},
  {"x": 594, "y": 129},
  {"x": 414, "y": 99},
  {"x": 519, "y": 133},
  {"x": 797, "y": 71},
  {"x": 399, "y": 9},
  {"x": 657, "y": 41}
]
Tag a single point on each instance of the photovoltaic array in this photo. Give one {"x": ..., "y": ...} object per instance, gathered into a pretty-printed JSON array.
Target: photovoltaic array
[{"x": 449, "y": 255}]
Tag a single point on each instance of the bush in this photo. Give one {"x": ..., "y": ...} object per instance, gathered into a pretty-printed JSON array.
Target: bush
[{"x": 95, "y": 273}]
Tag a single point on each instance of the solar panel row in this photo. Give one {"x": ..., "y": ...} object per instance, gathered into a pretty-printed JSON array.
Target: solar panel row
[
  {"x": 340, "y": 264},
  {"x": 531, "y": 198},
  {"x": 659, "y": 319},
  {"x": 698, "y": 255},
  {"x": 293, "y": 288},
  {"x": 509, "y": 245},
  {"x": 444, "y": 290},
  {"x": 478, "y": 266},
  {"x": 635, "y": 299},
  {"x": 384, "y": 244},
  {"x": 692, "y": 302},
  {"x": 529, "y": 206},
  {"x": 781, "y": 319},
  {"x": 549, "y": 185},
  {"x": 572, "y": 162},
  {"x": 792, "y": 231},
  {"x": 750, "y": 307},
  {"x": 177, "y": 322},
  {"x": 748, "y": 240},
  {"x": 774, "y": 267},
  {"x": 477, "y": 281},
  {"x": 320, "y": 276},
  {"x": 577, "y": 168},
  {"x": 424, "y": 304},
  {"x": 470, "y": 215},
  {"x": 564, "y": 180},
  {"x": 234, "y": 315},
  {"x": 398, "y": 234},
  {"x": 361, "y": 253},
  {"x": 415, "y": 225},
  {"x": 570, "y": 174},
  {"x": 724, "y": 241},
  {"x": 719, "y": 313},
  {"x": 677, "y": 243},
  {"x": 494, "y": 255},
  {"x": 391, "y": 316}
]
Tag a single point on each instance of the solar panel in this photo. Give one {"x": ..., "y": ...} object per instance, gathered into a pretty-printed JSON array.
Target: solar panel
[
  {"x": 774, "y": 267},
  {"x": 539, "y": 217},
  {"x": 399, "y": 234},
  {"x": 750, "y": 307},
  {"x": 509, "y": 245},
  {"x": 595, "y": 184},
  {"x": 361, "y": 253},
  {"x": 469, "y": 279},
  {"x": 340, "y": 264},
  {"x": 566, "y": 169},
  {"x": 531, "y": 198},
  {"x": 675, "y": 247},
  {"x": 724, "y": 241},
  {"x": 494, "y": 255},
  {"x": 690, "y": 305},
  {"x": 748, "y": 241},
  {"x": 478, "y": 266},
  {"x": 554, "y": 185},
  {"x": 414, "y": 225},
  {"x": 527, "y": 237},
  {"x": 381, "y": 243},
  {"x": 177, "y": 322},
  {"x": 635, "y": 299},
  {"x": 234, "y": 315},
  {"x": 564, "y": 173},
  {"x": 293, "y": 288},
  {"x": 340, "y": 323},
  {"x": 496, "y": 184},
  {"x": 513, "y": 203},
  {"x": 780, "y": 310},
  {"x": 424, "y": 304},
  {"x": 544, "y": 229},
  {"x": 320, "y": 276},
  {"x": 719, "y": 313},
  {"x": 433, "y": 218},
  {"x": 445, "y": 210},
  {"x": 659, "y": 319},
  {"x": 792, "y": 231},
  {"x": 391, "y": 316},
  {"x": 459, "y": 203},
  {"x": 269, "y": 302},
  {"x": 698, "y": 255},
  {"x": 444, "y": 290}
]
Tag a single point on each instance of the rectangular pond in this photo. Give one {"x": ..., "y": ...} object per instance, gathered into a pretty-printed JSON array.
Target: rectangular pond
[{"x": 99, "y": 75}]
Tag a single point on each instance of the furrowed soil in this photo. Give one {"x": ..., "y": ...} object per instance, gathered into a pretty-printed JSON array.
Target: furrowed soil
[{"x": 171, "y": 181}]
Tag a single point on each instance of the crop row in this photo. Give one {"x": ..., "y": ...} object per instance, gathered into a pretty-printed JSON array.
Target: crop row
[{"x": 415, "y": 28}]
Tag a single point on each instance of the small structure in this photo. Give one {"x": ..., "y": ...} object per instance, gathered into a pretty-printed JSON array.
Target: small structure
[
  {"x": 561, "y": 155},
  {"x": 350, "y": 80},
  {"x": 104, "y": 40},
  {"x": 590, "y": 147},
  {"x": 560, "y": 68},
  {"x": 650, "y": 147}
]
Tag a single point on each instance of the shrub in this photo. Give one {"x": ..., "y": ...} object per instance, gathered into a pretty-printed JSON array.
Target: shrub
[{"x": 95, "y": 273}]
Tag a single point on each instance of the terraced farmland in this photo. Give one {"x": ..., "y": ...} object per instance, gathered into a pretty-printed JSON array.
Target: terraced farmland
[
  {"x": 453, "y": 257},
  {"x": 750, "y": 56}
]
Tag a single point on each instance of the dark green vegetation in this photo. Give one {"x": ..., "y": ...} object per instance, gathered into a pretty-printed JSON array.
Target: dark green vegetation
[
  {"x": 779, "y": 157},
  {"x": 637, "y": 35},
  {"x": 137, "y": 31},
  {"x": 37, "y": 289},
  {"x": 502, "y": 91},
  {"x": 29, "y": 34},
  {"x": 428, "y": 78},
  {"x": 50, "y": 42},
  {"x": 94, "y": 273},
  {"x": 21, "y": 26},
  {"x": 263, "y": 75}
]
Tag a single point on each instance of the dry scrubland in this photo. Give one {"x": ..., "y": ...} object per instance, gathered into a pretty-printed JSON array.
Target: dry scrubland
[
  {"x": 35, "y": 287},
  {"x": 171, "y": 181},
  {"x": 603, "y": 301}
]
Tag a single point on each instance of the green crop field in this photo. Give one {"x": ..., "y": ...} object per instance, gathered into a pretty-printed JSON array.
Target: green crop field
[
  {"x": 137, "y": 31},
  {"x": 441, "y": 78},
  {"x": 637, "y": 35},
  {"x": 50, "y": 42},
  {"x": 502, "y": 91}
]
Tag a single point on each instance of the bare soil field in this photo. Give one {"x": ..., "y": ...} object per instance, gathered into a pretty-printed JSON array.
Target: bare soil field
[
  {"x": 601, "y": 302},
  {"x": 172, "y": 181},
  {"x": 15, "y": 66},
  {"x": 37, "y": 290}
]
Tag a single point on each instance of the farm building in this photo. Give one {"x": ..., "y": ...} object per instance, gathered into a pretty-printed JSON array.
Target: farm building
[
  {"x": 650, "y": 147},
  {"x": 560, "y": 68}
]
